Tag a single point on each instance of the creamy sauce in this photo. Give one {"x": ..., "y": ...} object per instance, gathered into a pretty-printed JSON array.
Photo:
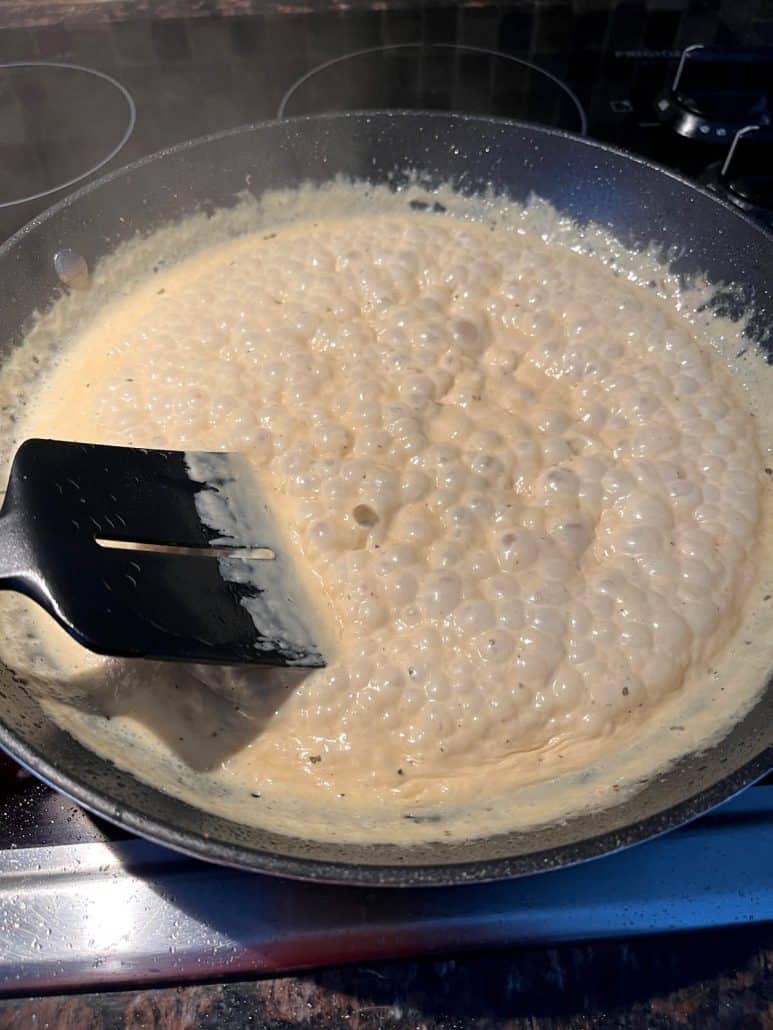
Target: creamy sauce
[{"x": 531, "y": 496}]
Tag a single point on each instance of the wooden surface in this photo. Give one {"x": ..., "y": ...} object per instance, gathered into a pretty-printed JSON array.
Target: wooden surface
[{"x": 717, "y": 981}]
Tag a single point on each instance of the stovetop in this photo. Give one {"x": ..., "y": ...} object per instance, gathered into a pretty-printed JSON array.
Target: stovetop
[
  {"x": 687, "y": 83},
  {"x": 84, "y": 905},
  {"x": 673, "y": 81}
]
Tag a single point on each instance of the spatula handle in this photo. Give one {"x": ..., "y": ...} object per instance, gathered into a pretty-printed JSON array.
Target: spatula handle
[{"x": 17, "y": 559}]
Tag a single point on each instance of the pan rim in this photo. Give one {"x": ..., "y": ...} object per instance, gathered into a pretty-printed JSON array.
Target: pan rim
[
  {"x": 389, "y": 875},
  {"x": 198, "y": 845},
  {"x": 447, "y": 116}
]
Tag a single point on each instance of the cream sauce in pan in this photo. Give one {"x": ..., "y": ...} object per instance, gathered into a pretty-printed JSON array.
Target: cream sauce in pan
[{"x": 528, "y": 496}]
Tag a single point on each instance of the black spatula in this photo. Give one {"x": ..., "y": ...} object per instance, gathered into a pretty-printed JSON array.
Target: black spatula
[{"x": 152, "y": 554}]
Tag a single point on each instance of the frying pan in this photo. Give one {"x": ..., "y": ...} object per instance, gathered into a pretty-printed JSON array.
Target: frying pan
[{"x": 639, "y": 202}]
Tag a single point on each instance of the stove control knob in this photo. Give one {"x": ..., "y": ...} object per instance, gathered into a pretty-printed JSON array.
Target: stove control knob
[
  {"x": 747, "y": 171},
  {"x": 715, "y": 93}
]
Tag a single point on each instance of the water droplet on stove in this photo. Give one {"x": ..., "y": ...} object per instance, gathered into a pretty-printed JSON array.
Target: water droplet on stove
[{"x": 71, "y": 268}]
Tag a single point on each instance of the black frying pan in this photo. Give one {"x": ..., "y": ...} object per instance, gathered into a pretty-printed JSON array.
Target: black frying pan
[{"x": 638, "y": 201}]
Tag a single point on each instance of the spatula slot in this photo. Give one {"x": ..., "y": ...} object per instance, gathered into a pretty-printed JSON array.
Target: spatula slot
[{"x": 260, "y": 553}]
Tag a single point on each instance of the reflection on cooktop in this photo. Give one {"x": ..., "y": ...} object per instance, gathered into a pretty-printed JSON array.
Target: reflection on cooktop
[
  {"x": 59, "y": 124},
  {"x": 437, "y": 77}
]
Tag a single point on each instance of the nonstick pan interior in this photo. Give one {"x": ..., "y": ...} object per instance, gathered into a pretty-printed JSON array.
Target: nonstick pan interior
[{"x": 637, "y": 201}]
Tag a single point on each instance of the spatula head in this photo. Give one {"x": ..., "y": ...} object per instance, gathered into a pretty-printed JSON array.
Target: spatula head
[{"x": 152, "y": 554}]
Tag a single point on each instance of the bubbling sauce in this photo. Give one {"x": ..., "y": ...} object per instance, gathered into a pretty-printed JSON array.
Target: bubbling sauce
[{"x": 529, "y": 495}]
